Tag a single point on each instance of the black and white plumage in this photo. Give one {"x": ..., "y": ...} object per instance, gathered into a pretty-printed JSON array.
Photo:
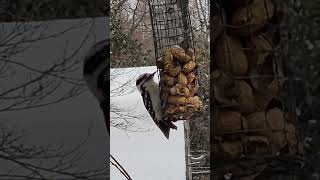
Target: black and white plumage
[
  {"x": 150, "y": 93},
  {"x": 96, "y": 74}
]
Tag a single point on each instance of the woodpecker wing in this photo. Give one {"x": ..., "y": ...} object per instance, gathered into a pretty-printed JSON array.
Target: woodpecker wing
[
  {"x": 164, "y": 127},
  {"x": 96, "y": 69},
  {"x": 96, "y": 74}
]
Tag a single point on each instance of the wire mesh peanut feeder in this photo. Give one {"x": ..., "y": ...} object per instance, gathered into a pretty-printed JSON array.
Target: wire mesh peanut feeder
[
  {"x": 254, "y": 135},
  {"x": 175, "y": 58}
]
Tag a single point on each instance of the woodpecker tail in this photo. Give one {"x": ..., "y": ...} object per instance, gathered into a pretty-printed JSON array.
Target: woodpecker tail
[{"x": 165, "y": 127}]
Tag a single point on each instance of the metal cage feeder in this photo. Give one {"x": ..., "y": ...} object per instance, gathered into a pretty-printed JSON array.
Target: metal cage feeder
[
  {"x": 172, "y": 29},
  {"x": 251, "y": 129}
]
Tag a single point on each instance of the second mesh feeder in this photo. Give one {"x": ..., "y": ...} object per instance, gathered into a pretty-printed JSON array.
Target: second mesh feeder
[
  {"x": 179, "y": 83},
  {"x": 254, "y": 136},
  {"x": 176, "y": 60}
]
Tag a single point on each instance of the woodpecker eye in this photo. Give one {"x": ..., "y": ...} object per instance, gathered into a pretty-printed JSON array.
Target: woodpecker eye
[
  {"x": 141, "y": 78},
  {"x": 149, "y": 76}
]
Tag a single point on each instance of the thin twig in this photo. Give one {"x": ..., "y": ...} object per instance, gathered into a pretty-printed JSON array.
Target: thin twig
[{"x": 120, "y": 168}]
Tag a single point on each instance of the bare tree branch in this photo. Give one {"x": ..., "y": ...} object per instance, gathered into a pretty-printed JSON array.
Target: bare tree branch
[
  {"x": 40, "y": 87},
  {"x": 120, "y": 168}
]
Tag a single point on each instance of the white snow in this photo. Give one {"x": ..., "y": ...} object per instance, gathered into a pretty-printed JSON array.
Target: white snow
[{"x": 147, "y": 155}]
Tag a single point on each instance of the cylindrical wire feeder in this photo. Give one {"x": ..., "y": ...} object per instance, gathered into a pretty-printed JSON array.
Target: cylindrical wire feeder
[
  {"x": 175, "y": 58},
  {"x": 253, "y": 131}
]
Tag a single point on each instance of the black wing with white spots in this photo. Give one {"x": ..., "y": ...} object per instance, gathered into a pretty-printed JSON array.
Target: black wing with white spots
[
  {"x": 164, "y": 127},
  {"x": 148, "y": 105}
]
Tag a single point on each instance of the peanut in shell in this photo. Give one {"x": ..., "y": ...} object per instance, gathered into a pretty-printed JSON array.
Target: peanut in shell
[
  {"x": 179, "y": 53},
  {"x": 169, "y": 80},
  {"x": 189, "y": 66},
  {"x": 182, "y": 79},
  {"x": 176, "y": 100}
]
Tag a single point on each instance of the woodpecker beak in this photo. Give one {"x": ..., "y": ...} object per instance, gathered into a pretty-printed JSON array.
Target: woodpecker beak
[{"x": 153, "y": 73}]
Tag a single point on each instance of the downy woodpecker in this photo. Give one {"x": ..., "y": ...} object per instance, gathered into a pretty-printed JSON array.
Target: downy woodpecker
[
  {"x": 150, "y": 93},
  {"x": 96, "y": 74}
]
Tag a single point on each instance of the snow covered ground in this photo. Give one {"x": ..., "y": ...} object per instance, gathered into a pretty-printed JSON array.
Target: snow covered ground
[{"x": 145, "y": 155}]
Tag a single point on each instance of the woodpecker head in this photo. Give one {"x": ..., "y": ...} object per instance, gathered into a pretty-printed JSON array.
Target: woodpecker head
[
  {"x": 96, "y": 70},
  {"x": 144, "y": 78}
]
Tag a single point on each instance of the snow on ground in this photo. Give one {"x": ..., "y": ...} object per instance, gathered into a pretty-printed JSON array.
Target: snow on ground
[{"x": 147, "y": 155}]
